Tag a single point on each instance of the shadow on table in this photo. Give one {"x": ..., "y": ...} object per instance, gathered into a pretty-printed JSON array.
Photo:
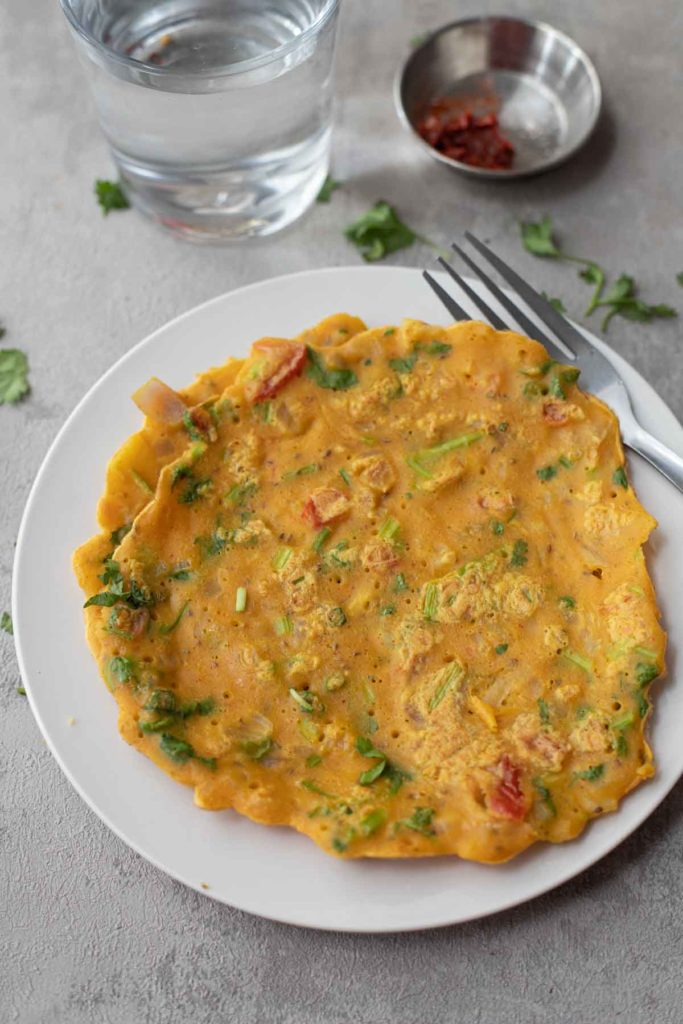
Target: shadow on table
[{"x": 395, "y": 180}]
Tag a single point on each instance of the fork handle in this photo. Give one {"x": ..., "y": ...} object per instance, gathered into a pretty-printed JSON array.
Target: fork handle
[{"x": 657, "y": 454}]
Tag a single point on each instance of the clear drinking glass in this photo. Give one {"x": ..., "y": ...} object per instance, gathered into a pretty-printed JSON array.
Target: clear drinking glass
[{"x": 218, "y": 112}]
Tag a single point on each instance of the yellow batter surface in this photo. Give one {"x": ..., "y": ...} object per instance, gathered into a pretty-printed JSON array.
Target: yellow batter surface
[{"x": 384, "y": 586}]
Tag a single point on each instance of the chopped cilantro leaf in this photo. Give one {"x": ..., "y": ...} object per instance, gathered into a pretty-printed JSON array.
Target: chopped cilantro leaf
[
  {"x": 420, "y": 821},
  {"x": 256, "y": 748},
  {"x": 556, "y": 303},
  {"x": 591, "y": 774},
  {"x": 372, "y": 821},
  {"x": 501, "y": 648},
  {"x": 537, "y": 238},
  {"x": 543, "y": 711},
  {"x": 328, "y": 377},
  {"x": 379, "y": 232},
  {"x": 13, "y": 375},
  {"x": 646, "y": 671},
  {"x": 545, "y": 795},
  {"x": 177, "y": 749},
  {"x": 6, "y": 623},
  {"x": 519, "y": 553},
  {"x": 110, "y": 196},
  {"x": 404, "y": 364},
  {"x": 619, "y": 478},
  {"x": 546, "y": 473},
  {"x": 328, "y": 187}
]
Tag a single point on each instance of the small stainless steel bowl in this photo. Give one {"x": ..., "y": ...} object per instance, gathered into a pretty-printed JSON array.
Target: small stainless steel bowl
[{"x": 544, "y": 89}]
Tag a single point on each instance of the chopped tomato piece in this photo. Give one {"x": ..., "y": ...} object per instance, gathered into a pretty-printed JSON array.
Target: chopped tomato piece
[
  {"x": 289, "y": 363},
  {"x": 310, "y": 513},
  {"x": 324, "y": 505},
  {"x": 507, "y": 799},
  {"x": 555, "y": 414}
]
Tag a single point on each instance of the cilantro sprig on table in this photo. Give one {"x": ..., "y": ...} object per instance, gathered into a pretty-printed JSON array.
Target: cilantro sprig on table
[
  {"x": 13, "y": 375},
  {"x": 329, "y": 186},
  {"x": 619, "y": 300},
  {"x": 110, "y": 196}
]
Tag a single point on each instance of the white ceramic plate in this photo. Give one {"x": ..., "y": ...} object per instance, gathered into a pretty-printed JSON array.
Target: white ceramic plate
[{"x": 273, "y": 871}]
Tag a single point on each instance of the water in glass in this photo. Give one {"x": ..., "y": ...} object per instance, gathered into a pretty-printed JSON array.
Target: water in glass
[{"x": 218, "y": 112}]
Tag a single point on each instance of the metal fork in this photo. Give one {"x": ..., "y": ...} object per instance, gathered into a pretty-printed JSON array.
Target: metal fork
[{"x": 597, "y": 372}]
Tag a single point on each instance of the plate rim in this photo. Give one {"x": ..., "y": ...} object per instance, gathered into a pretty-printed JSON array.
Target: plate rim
[{"x": 304, "y": 920}]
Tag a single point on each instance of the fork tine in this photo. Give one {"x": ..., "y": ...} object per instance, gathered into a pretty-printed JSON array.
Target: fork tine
[
  {"x": 492, "y": 317},
  {"x": 568, "y": 335},
  {"x": 456, "y": 311},
  {"x": 527, "y": 326}
]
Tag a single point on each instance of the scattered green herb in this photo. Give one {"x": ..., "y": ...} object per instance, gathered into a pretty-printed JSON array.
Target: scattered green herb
[
  {"x": 328, "y": 187},
  {"x": 621, "y": 300},
  {"x": 646, "y": 671},
  {"x": 256, "y": 748},
  {"x": 313, "y": 787},
  {"x": 420, "y": 821},
  {"x": 110, "y": 196},
  {"x": 501, "y": 648},
  {"x": 13, "y": 375},
  {"x": 181, "y": 751},
  {"x": 619, "y": 478},
  {"x": 497, "y": 527},
  {"x": 546, "y": 473},
  {"x": 566, "y": 601},
  {"x": 345, "y": 477},
  {"x": 545, "y": 795},
  {"x": 556, "y": 303},
  {"x": 312, "y": 467},
  {"x": 388, "y": 609},
  {"x": 335, "y": 379},
  {"x": 373, "y": 821},
  {"x": 591, "y": 774},
  {"x": 194, "y": 490},
  {"x": 404, "y": 364},
  {"x": 400, "y": 584},
  {"x": 122, "y": 669},
  {"x": 6, "y": 623},
  {"x": 238, "y": 493},
  {"x": 117, "y": 536},
  {"x": 380, "y": 232},
  {"x": 543, "y": 711},
  {"x": 434, "y": 348},
  {"x": 519, "y": 554}
]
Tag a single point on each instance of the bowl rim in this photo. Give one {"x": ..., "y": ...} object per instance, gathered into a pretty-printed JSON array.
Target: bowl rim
[{"x": 484, "y": 172}]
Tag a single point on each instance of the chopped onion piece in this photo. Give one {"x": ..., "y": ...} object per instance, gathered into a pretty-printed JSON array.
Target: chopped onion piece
[{"x": 159, "y": 402}]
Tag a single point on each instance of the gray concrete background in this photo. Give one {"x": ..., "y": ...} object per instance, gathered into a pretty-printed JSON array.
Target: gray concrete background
[{"x": 89, "y": 932}]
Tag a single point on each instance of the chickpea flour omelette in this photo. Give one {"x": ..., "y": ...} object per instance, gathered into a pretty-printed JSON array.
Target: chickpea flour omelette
[{"x": 384, "y": 586}]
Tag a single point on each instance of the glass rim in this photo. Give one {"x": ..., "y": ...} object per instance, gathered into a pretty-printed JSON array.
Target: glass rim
[{"x": 239, "y": 68}]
